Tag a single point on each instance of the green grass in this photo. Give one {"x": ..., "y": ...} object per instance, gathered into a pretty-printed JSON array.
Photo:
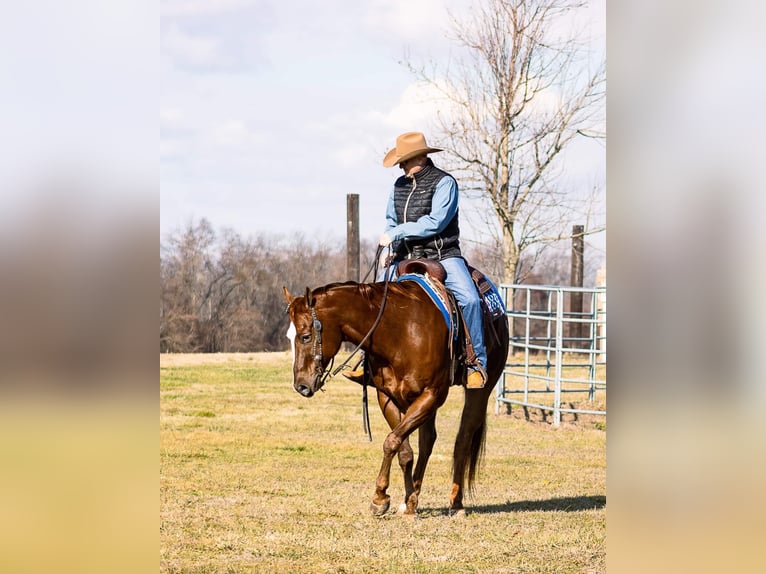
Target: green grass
[{"x": 256, "y": 478}]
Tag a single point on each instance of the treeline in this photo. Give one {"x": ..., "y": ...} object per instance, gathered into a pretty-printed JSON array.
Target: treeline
[{"x": 221, "y": 292}]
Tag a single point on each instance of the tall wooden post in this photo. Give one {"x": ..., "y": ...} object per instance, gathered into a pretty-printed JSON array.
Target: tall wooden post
[
  {"x": 575, "y": 301},
  {"x": 352, "y": 237}
]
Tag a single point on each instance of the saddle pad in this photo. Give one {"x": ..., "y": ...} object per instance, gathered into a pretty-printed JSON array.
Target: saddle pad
[
  {"x": 425, "y": 283},
  {"x": 492, "y": 300},
  {"x": 490, "y": 296}
]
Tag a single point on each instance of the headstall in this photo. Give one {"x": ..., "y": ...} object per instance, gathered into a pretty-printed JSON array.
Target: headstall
[{"x": 316, "y": 350}]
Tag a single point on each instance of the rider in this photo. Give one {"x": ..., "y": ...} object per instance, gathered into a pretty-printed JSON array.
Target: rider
[{"x": 422, "y": 222}]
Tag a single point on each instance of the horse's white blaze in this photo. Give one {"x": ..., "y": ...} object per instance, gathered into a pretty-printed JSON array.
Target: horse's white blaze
[{"x": 291, "y": 332}]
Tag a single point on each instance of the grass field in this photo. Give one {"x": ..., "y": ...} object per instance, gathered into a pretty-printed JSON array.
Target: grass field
[{"x": 256, "y": 478}]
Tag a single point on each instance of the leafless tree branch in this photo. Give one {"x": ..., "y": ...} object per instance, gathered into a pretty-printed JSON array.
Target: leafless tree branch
[{"x": 520, "y": 93}]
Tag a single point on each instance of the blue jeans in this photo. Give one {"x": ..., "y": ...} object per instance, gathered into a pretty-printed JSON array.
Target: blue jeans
[{"x": 459, "y": 281}]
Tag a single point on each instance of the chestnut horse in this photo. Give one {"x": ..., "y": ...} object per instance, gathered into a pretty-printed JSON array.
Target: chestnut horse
[{"x": 408, "y": 358}]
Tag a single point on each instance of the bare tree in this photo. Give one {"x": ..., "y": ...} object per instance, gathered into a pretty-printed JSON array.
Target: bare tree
[
  {"x": 521, "y": 92},
  {"x": 220, "y": 292},
  {"x": 185, "y": 263}
]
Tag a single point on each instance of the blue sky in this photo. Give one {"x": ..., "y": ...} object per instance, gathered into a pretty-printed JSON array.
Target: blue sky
[{"x": 271, "y": 112}]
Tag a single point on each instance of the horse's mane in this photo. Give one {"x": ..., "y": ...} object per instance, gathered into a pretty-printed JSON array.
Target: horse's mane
[
  {"x": 368, "y": 290},
  {"x": 321, "y": 290}
]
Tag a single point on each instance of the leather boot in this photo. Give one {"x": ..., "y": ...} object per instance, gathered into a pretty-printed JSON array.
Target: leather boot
[
  {"x": 357, "y": 375},
  {"x": 477, "y": 378}
]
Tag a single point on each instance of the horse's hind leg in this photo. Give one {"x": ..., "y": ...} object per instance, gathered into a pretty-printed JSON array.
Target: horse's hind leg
[
  {"x": 468, "y": 445},
  {"x": 426, "y": 440},
  {"x": 406, "y": 459}
]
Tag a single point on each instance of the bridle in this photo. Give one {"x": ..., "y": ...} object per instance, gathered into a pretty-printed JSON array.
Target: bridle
[{"x": 320, "y": 373}]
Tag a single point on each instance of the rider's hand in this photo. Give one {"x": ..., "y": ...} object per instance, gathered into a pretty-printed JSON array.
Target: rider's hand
[{"x": 385, "y": 240}]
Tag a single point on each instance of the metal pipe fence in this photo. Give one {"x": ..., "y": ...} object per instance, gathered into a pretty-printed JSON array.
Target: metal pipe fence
[{"x": 554, "y": 350}]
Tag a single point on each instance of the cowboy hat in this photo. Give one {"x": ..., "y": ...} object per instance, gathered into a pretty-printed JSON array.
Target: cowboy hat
[{"x": 409, "y": 145}]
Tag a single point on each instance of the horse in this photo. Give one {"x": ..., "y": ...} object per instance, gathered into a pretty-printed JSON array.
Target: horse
[{"x": 410, "y": 365}]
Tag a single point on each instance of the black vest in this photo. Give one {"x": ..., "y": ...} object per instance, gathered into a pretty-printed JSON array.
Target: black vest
[{"x": 412, "y": 200}]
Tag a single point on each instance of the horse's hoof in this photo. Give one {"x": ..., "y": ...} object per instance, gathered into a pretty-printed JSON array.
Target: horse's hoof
[
  {"x": 404, "y": 513},
  {"x": 457, "y": 513},
  {"x": 379, "y": 509}
]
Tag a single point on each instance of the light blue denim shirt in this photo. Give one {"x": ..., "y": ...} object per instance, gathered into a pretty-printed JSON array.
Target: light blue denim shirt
[{"x": 443, "y": 209}]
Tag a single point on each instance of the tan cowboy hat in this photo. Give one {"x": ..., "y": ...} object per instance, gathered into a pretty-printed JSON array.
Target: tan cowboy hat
[{"x": 408, "y": 145}]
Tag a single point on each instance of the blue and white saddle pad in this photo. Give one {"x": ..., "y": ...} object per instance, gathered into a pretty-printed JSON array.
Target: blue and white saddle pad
[
  {"x": 492, "y": 300},
  {"x": 425, "y": 283}
]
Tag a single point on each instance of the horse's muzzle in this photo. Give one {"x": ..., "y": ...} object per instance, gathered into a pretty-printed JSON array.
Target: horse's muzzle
[
  {"x": 308, "y": 390},
  {"x": 304, "y": 390}
]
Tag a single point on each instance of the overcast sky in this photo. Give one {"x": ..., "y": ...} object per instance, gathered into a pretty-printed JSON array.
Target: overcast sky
[{"x": 272, "y": 111}]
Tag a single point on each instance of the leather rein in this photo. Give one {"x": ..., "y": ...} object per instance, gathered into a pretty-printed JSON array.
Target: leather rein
[
  {"x": 321, "y": 374},
  {"x": 320, "y": 371}
]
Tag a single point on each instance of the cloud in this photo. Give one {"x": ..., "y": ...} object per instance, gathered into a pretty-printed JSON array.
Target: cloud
[
  {"x": 173, "y": 121},
  {"x": 171, "y": 149},
  {"x": 202, "y": 7},
  {"x": 170, "y": 115},
  {"x": 417, "y": 108},
  {"x": 233, "y": 134},
  {"x": 419, "y": 22},
  {"x": 190, "y": 50},
  {"x": 229, "y": 39}
]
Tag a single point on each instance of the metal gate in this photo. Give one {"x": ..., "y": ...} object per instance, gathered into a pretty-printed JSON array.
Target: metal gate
[{"x": 557, "y": 349}]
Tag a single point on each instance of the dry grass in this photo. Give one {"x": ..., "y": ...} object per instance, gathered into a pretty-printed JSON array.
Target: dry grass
[{"x": 256, "y": 478}]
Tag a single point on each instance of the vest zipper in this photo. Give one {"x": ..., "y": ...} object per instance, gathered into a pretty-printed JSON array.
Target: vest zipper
[{"x": 406, "y": 205}]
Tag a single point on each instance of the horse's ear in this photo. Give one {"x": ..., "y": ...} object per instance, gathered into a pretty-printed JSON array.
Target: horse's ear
[
  {"x": 288, "y": 298},
  {"x": 309, "y": 301}
]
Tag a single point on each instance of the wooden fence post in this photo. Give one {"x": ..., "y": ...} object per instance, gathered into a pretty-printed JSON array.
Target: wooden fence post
[
  {"x": 575, "y": 299},
  {"x": 352, "y": 237}
]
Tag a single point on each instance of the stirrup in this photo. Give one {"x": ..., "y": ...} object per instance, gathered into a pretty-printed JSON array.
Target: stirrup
[{"x": 477, "y": 378}]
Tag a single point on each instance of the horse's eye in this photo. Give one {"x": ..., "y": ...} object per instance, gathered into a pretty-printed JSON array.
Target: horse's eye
[{"x": 306, "y": 338}]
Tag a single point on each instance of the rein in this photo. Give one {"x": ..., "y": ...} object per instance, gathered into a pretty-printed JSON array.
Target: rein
[
  {"x": 316, "y": 350},
  {"x": 387, "y": 280}
]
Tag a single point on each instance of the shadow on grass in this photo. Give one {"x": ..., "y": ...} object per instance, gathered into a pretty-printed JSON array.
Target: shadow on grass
[{"x": 563, "y": 504}]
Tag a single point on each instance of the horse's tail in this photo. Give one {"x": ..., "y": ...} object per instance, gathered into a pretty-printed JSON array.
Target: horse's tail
[
  {"x": 469, "y": 446},
  {"x": 477, "y": 452}
]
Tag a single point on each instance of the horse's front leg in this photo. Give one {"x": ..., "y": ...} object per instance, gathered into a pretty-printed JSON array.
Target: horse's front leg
[
  {"x": 423, "y": 408},
  {"x": 393, "y": 416}
]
